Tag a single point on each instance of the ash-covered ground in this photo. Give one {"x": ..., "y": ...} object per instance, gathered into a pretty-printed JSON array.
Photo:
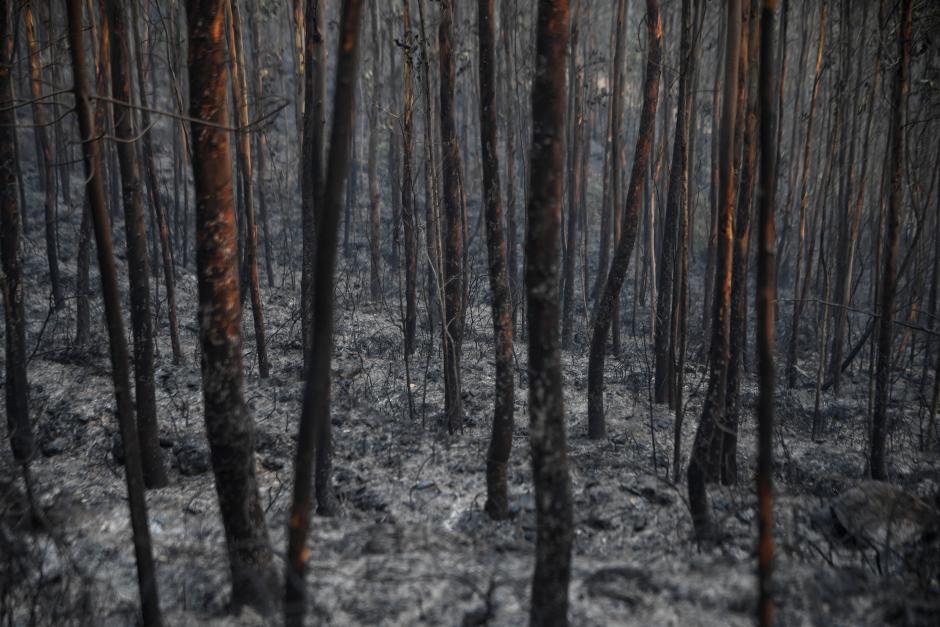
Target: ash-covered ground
[{"x": 411, "y": 544}]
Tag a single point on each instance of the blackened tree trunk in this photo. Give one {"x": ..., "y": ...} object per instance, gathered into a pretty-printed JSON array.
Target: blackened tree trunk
[
  {"x": 133, "y": 473},
  {"x": 261, "y": 141},
  {"x": 138, "y": 267},
  {"x": 606, "y": 305},
  {"x": 453, "y": 225},
  {"x": 375, "y": 213},
  {"x": 45, "y": 149},
  {"x": 678, "y": 178},
  {"x": 764, "y": 302},
  {"x": 549, "y": 605},
  {"x": 243, "y": 150},
  {"x": 877, "y": 463},
  {"x": 409, "y": 224},
  {"x": 312, "y": 162},
  {"x": 704, "y": 462},
  {"x": 573, "y": 168},
  {"x": 19, "y": 427},
  {"x": 747, "y": 130},
  {"x": 315, "y": 418},
  {"x": 497, "y": 501},
  {"x": 229, "y": 426},
  {"x": 153, "y": 186}
]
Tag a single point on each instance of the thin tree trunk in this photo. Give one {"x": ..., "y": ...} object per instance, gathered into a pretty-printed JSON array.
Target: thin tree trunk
[
  {"x": 409, "y": 224},
  {"x": 573, "y": 168},
  {"x": 153, "y": 187},
  {"x": 804, "y": 198},
  {"x": 375, "y": 215},
  {"x": 606, "y": 305},
  {"x": 877, "y": 463},
  {"x": 228, "y": 423},
  {"x": 312, "y": 164},
  {"x": 138, "y": 268},
  {"x": 243, "y": 150},
  {"x": 134, "y": 476},
  {"x": 45, "y": 163},
  {"x": 453, "y": 228},
  {"x": 497, "y": 501},
  {"x": 315, "y": 416}
]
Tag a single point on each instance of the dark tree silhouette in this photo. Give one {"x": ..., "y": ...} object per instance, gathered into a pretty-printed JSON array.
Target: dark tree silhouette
[
  {"x": 138, "y": 267},
  {"x": 604, "y": 314},
  {"x": 94, "y": 188},
  {"x": 554, "y": 535},
  {"x": 315, "y": 418},
  {"x": 16, "y": 390},
  {"x": 497, "y": 502}
]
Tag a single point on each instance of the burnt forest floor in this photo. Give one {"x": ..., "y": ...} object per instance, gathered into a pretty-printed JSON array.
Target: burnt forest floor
[{"x": 411, "y": 544}]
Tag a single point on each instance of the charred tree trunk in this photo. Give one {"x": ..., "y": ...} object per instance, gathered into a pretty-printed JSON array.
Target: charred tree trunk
[
  {"x": 153, "y": 186},
  {"x": 704, "y": 462},
  {"x": 549, "y": 605},
  {"x": 243, "y": 150},
  {"x": 453, "y": 226},
  {"x": 877, "y": 463},
  {"x": 19, "y": 427},
  {"x": 375, "y": 210},
  {"x": 228, "y": 424},
  {"x": 764, "y": 303},
  {"x": 312, "y": 163},
  {"x": 133, "y": 472},
  {"x": 606, "y": 305},
  {"x": 315, "y": 418},
  {"x": 676, "y": 195},
  {"x": 409, "y": 223},
  {"x": 45, "y": 150},
  {"x": 138, "y": 268},
  {"x": 497, "y": 501}
]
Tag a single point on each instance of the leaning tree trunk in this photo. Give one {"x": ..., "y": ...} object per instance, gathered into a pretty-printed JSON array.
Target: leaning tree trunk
[
  {"x": 19, "y": 427},
  {"x": 229, "y": 426},
  {"x": 606, "y": 305},
  {"x": 554, "y": 535},
  {"x": 133, "y": 473},
  {"x": 316, "y": 404},
  {"x": 453, "y": 227},
  {"x": 243, "y": 150},
  {"x": 704, "y": 462},
  {"x": 138, "y": 268},
  {"x": 497, "y": 460},
  {"x": 893, "y": 226}
]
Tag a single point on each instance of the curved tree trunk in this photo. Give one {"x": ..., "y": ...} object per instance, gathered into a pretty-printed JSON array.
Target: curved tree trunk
[
  {"x": 704, "y": 462},
  {"x": 606, "y": 305}
]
